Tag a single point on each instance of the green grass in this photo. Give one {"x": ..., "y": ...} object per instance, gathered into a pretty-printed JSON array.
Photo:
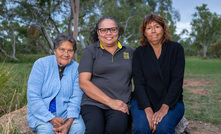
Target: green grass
[
  {"x": 13, "y": 81},
  {"x": 205, "y": 107},
  {"x": 202, "y": 66},
  {"x": 14, "y": 78}
]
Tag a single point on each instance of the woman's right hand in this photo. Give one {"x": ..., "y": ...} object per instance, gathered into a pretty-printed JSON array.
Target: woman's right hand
[
  {"x": 57, "y": 122},
  {"x": 118, "y": 105},
  {"x": 149, "y": 115}
]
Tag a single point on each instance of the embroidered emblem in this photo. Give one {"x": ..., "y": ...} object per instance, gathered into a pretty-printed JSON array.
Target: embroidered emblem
[{"x": 126, "y": 55}]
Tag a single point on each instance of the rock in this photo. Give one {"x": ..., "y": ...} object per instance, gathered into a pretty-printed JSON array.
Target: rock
[
  {"x": 15, "y": 122},
  {"x": 182, "y": 127}
]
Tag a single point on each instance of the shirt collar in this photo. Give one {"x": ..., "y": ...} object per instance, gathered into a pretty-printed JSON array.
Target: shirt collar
[{"x": 118, "y": 43}]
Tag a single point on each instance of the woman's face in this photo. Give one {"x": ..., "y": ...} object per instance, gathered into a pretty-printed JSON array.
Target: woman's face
[
  {"x": 154, "y": 33},
  {"x": 108, "y": 32},
  {"x": 64, "y": 53}
]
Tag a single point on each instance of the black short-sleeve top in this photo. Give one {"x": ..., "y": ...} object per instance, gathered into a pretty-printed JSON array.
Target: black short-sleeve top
[{"x": 110, "y": 73}]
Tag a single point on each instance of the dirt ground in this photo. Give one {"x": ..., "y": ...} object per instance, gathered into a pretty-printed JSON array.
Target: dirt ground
[
  {"x": 196, "y": 127},
  {"x": 199, "y": 127}
]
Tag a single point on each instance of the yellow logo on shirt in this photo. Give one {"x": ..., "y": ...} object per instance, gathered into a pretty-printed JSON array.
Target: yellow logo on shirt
[{"x": 126, "y": 55}]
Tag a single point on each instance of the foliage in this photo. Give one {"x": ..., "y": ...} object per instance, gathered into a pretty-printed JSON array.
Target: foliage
[
  {"x": 216, "y": 49},
  {"x": 130, "y": 15},
  {"x": 40, "y": 21},
  {"x": 13, "y": 85},
  {"x": 6, "y": 78},
  {"x": 205, "y": 28}
]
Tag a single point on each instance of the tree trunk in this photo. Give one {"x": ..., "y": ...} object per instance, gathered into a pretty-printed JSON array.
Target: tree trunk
[
  {"x": 49, "y": 40},
  {"x": 13, "y": 45},
  {"x": 82, "y": 41},
  {"x": 75, "y": 9},
  {"x": 204, "y": 51}
]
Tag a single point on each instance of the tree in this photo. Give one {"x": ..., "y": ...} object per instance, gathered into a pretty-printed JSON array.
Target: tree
[
  {"x": 205, "y": 28},
  {"x": 130, "y": 15},
  {"x": 216, "y": 49},
  {"x": 75, "y": 11},
  {"x": 47, "y": 18},
  {"x": 8, "y": 32}
]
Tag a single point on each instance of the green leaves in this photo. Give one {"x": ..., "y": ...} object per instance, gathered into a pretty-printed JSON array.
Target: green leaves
[{"x": 205, "y": 27}]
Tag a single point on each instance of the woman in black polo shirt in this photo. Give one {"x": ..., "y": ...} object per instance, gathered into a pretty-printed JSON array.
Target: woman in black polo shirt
[{"x": 105, "y": 72}]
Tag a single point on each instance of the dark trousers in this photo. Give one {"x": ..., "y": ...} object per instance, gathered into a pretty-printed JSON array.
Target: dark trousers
[
  {"x": 166, "y": 126},
  {"x": 100, "y": 121}
]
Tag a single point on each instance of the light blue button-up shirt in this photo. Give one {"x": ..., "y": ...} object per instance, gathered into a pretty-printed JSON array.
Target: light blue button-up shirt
[{"x": 44, "y": 84}]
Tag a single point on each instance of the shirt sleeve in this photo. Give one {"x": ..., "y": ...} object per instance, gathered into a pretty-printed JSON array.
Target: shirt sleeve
[
  {"x": 35, "y": 102},
  {"x": 175, "y": 89},
  {"x": 139, "y": 82},
  {"x": 75, "y": 100},
  {"x": 86, "y": 62}
]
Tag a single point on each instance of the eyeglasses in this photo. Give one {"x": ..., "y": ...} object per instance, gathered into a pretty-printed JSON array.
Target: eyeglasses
[
  {"x": 69, "y": 51},
  {"x": 105, "y": 30}
]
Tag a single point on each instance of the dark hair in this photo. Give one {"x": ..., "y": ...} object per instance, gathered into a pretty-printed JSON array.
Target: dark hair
[
  {"x": 94, "y": 35},
  {"x": 160, "y": 21},
  {"x": 62, "y": 38}
]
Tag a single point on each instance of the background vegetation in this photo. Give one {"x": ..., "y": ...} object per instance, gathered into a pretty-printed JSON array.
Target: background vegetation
[
  {"x": 28, "y": 28},
  {"x": 203, "y": 107}
]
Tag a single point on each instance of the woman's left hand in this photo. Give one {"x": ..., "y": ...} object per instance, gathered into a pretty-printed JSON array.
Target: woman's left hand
[
  {"x": 158, "y": 116},
  {"x": 64, "y": 128},
  {"x": 118, "y": 105}
]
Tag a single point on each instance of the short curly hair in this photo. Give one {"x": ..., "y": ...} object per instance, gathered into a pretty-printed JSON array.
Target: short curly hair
[
  {"x": 62, "y": 38},
  {"x": 150, "y": 18}
]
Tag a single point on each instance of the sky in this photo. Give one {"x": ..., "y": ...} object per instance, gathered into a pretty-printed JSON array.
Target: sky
[{"x": 186, "y": 9}]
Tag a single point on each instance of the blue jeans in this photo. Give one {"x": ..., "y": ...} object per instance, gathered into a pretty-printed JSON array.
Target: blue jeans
[
  {"x": 166, "y": 126},
  {"x": 77, "y": 127}
]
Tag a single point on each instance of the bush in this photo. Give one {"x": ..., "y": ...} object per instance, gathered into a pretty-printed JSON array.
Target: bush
[{"x": 6, "y": 92}]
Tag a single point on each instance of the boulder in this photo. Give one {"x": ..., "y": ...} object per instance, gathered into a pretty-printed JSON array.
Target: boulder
[
  {"x": 16, "y": 122},
  {"x": 182, "y": 127}
]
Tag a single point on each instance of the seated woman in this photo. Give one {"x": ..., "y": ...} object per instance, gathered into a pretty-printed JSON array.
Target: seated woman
[
  {"x": 54, "y": 95},
  {"x": 105, "y": 76},
  {"x": 158, "y": 71}
]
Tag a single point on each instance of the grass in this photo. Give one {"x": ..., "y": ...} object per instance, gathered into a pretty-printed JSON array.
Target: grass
[
  {"x": 13, "y": 87},
  {"x": 204, "y": 107},
  {"x": 13, "y": 79}
]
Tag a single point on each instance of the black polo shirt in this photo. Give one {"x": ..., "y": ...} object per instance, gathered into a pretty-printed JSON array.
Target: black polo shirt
[{"x": 110, "y": 73}]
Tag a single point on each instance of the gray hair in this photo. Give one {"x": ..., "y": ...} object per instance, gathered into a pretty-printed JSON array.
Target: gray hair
[{"x": 62, "y": 38}]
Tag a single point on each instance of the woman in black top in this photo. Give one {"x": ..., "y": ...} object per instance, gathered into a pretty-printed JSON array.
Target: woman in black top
[{"x": 158, "y": 71}]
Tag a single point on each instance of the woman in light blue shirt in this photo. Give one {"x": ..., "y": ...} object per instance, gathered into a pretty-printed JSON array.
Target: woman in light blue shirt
[{"x": 54, "y": 95}]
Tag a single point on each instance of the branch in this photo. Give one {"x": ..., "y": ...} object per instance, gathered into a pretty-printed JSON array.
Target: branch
[
  {"x": 8, "y": 55},
  {"x": 47, "y": 37},
  {"x": 125, "y": 27},
  {"x": 54, "y": 24},
  {"x": 126, "y": 38}
]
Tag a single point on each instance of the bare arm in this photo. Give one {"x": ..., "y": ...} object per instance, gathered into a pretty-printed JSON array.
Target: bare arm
[{"x": 95, "y": 93}]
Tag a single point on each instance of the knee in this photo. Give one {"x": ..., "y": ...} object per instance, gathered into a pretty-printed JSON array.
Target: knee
[
  {"x": 165, "y": 129},
  {"x": 43, "y": 128},
  {"x": 116, "y": 128},
  {"x": 77, "y": 127},
  {"x": 141, "y": 129},
  {"x": 94, "y": 129}
]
